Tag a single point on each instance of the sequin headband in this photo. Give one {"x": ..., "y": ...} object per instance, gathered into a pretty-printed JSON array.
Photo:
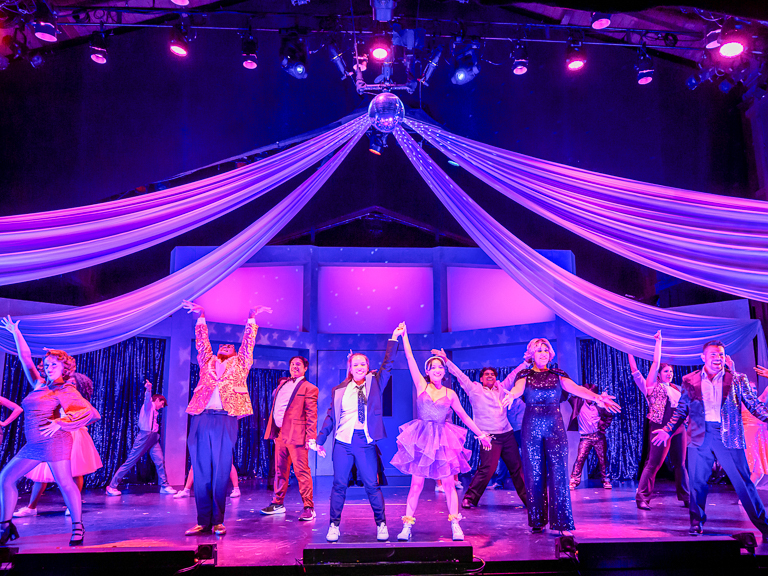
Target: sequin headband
[{"x": 426, "y": 364}]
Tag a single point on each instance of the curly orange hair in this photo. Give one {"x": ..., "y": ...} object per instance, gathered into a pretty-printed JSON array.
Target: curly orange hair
[{"x": 70, "y": 365}]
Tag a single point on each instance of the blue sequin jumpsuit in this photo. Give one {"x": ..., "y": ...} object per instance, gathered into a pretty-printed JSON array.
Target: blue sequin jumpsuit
[{"x": 545, "y": 451}]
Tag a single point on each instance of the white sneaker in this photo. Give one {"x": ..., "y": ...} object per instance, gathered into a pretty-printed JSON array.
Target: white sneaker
[
  {"x": 456, "y": 530},
  {"x": 459, "y": 485},
  {"x": 182, "y": 494},
  {"x": 67, "y": 512},
  {"x": 167, "y": 490},
  {"x": 24, "y": 512},
  {"x": 405, "y": 535},
  {"x": 439, "y": 488},
  {"x": 382, "y": 534},
  {"x": 333, "y": 533},
  {"x": 235, "y": 492},
  {"x": 113, "y": 491}
]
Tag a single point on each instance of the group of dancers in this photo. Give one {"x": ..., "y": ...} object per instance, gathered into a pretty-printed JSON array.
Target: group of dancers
[{"x": 430, "y": 446}]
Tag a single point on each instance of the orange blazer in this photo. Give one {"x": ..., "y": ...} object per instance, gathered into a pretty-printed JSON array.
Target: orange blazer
[{"x": 300, "y": 420}]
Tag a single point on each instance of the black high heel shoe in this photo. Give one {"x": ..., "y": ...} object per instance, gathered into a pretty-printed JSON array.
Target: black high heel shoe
[
  {"x": 78, "y": 533},
  {"x": 9, "y": 532}
]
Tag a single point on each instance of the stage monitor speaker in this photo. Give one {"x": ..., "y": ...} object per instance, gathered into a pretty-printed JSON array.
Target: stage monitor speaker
[
  {"x": 112, "y": 560},
  {"x": 700, "y": 554},
  {"x": 386, "y": 552}
]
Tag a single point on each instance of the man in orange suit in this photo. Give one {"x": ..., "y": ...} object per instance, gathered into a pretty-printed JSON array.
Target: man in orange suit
[
  {"x": 220, "y": 399},
  {"x": 293, "y": 426}
]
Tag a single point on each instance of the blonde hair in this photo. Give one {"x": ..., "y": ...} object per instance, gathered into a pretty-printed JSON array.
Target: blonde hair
[{"x": 533, "y": 344}]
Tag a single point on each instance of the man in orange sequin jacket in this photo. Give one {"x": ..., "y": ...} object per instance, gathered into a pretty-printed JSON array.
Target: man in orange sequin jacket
[{"x": 220, "y": 399}]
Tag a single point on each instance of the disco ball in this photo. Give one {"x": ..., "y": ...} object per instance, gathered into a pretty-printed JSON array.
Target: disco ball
[{"x": 386, "y": 111}]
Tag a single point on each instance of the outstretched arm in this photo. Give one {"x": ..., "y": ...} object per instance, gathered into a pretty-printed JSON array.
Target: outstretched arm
[
  {"x": 636, "y": 375},
  {"x": 22, "y": 349},
  {"x": 650, "y": 380},
  {"x": 245, "y": 353},
  {"x": 418, "y": 379},
  {"x": 202, "y": 343},
  {"x": 463, "y": 379},
  {"x": 13, "y": 407},
  {"x": 484, "y": 438},
  {"x": 603, "y": 400}
]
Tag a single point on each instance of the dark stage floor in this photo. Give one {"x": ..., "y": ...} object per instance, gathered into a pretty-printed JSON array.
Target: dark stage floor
[{"x": 497, "y": 530}]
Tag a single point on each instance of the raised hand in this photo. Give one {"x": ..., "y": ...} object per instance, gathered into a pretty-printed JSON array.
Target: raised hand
[
  {"x": 399, "y": 331},
  {"x": 192, "y": 307},
  {"x": 657, "y": 336},
  {"x": 606, "y": 401},
  {"x": 258, "y": 310},
  {"x": 761, "y": 371},
  {"x": 660, "y": 437},
  {"x": 441, "y": 353},
  {"x": 147, "y": 385},
  {"x": 10, "y": 325},
  {"x": 730, "y": 363}
]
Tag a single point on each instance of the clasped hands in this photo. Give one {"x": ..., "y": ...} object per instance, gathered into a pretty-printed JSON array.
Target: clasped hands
[{"x": 312, "y": 445}]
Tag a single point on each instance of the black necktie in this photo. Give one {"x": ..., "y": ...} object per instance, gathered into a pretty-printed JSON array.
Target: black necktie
[{"x": 361, "y": 402}]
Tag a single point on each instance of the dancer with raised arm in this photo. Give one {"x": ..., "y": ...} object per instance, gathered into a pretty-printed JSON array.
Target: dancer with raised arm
[
  {"x": 355, "y": 423},
  {"x": 491, "y": 417},
  {"x": 662, "y": 397},
  {"x": 591, "y": 422},
  {"x": 48, "y": 437},
  {"x": 711, "y": 401},
  {"x": 755, "y": 433},
  {"x": 220, "y": 399},
  {"x": 430, "y": 446},
  {"x": 545, "y": 443}
]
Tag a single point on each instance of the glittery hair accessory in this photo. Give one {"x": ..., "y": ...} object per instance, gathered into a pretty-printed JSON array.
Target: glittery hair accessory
[{"x": 426, "y": 364}]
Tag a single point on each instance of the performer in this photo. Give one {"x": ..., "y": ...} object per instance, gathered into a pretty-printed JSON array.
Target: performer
[
  {"x": 755, "y": 432},
  {"x": 292, "y": 425},
  {"x": 147, "y": 440},
  {"x": 354, "y": 419},
  {"x": 491, "y": 417},
  {"x": 591, "y": 421},
  {"x": 545, "y": 444},
  {"x": 430, "y": 446},
  {"x": 85, "y": 458},
  {"x": 711, "y": 400},
  {"x": 48, "y": 438},
  {"x": 662, "y": 397},
  {"x": 15, "y": 413},
  {"x": 220, "y": 399},
  {"x": 187, "y": 490}
]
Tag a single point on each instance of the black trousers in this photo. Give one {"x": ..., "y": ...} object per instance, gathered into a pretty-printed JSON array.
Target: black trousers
[{"x": 503, "y": 446}]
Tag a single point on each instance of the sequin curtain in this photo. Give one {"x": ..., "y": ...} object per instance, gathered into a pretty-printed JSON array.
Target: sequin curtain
[
  {"x": 118, "y": 373},
  {"x": 252, "y": 452},
  {"x": 608, "y": 368}
]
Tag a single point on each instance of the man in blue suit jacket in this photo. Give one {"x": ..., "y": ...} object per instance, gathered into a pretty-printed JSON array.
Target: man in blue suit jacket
[
  {"x": 355, "y": 422},
  {"x": 711, "y": 400}
]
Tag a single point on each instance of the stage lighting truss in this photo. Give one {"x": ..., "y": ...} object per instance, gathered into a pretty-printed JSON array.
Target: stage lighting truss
[
  {"x": 466, "y": 54},
  {"x": 293, "y": 53},
  {"x": 401, "y": 46}
]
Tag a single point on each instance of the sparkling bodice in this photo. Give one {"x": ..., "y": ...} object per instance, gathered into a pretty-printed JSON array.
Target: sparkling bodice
[
  {"x": 542, "y": 388},
  {"x": 430, "y": 410}
]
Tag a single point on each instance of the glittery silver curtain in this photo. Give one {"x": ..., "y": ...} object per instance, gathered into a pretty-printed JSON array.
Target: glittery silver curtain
[
  {"x": 609, "y": 370},
  {"x": 118, "y": 373}
]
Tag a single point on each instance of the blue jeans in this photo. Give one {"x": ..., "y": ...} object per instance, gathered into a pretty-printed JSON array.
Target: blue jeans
[
  {"x": 363, "y": 455},
  {"x": 143, "y": 443}
]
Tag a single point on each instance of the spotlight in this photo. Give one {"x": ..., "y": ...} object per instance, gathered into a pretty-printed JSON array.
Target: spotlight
[
  {"x": 644, "y": 67},
  {"x": 465, "y": 54},
  {"x": 520, "y": 58},
  {"x": 697, "y": 79},
  {"x": 380, "y": 47},
  {"x": 4, "y": 62},
  {"x": 36, "y": 60},
  {"x": 382, "y": 9},
  {"x": 338, "y": 61},
  {"x": 181, "y": 2},
  {"x": 44, "y": 23},
  {"x": 429, "y": 69},
  {"x": 600, "y": 20},
  {"x": 294, "y": 53},
  {"x": 574, "y": 59},
  {"x": 733, "y": 38},
  {"x": 712, "y": 39},
  {"x": 179, "y": 41},
  {"x": 250, "y": 56},
  {"x": 378, "y": 140},
  {"x": 99, "y": 48}
]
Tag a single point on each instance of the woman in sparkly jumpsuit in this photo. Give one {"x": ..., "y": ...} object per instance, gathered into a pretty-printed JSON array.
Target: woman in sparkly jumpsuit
[
  {"x": 430, "y": 446},
  {"x": 48, "y": 435},
  {"x": 545, "y": 443}
]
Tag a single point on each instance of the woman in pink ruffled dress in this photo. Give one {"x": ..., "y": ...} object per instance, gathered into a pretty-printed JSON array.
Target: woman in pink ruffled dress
[
  {"x": 756, "y": 436},
  {"x": 431, "y": 447}
]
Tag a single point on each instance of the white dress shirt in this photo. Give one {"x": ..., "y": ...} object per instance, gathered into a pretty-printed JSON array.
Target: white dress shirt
[
  {"x": 712, "y": 394},
  {"x": 348, "y": 421},
  {"x": 282, "y": 399}
]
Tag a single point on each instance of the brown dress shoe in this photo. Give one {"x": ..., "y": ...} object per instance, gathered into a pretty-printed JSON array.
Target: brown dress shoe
[
  {"x": 197, "y": 529},
  {"x": 219, "y": 529}
]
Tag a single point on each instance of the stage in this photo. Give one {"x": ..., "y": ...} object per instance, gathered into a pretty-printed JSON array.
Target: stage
[{"x": 142, "y": 521}]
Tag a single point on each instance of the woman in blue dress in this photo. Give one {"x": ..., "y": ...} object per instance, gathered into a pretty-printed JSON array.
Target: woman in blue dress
[
  {"x": 431, "y": 446},
  {"x": 545, "y": 443}
]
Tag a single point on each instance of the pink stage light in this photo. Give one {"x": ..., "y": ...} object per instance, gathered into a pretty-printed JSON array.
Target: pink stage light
[
  {"x": 645, "y": 80},
  {"x": 379, "y": 53},
  {"x": 178, "y": 50},
  {"x": 99, "y": 58},
  {"x": 731, "y": 49},
  {"x": 576, "y": 65}
]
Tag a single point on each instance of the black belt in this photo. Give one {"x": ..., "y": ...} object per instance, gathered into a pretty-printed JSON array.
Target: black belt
[{"x": 212, "y": 411}]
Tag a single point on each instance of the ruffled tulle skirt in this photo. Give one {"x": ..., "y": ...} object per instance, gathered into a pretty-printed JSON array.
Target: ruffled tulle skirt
[
  {"x": 84, "y": 457},
  {"x": 431, "y": 449},
  {"x": 756, "y": 437}
]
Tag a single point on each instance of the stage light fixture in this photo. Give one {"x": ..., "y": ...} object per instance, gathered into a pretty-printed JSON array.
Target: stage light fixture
[
  {"x": 600, "y": 20},
  {"x": 454, "y": 163},
  {"x": 4, "y": 62},
  {"x": 429, "y": 69},
  {"x": 380, "y": 48},
  {"x": 338, "y": 61},
  {"x": 377, "y": 141},
  {"x": 294, "y": 54},
  {"x": 36, "y": 60},
  {"x": 465, "y": 54},
  {"x": 574, "y": 58},
  {"x": 520, "y": 59},
  {"x": 734, "y": 38},
  {"x": 250, "y": 52},
  {"x": 44, "y": 23},
  {"x": 383, "y": 9},
  {"x": 712, "y": 39},
  {"x": 697, "y": 79},
  {"x": 179, "y": 42},
  {"x": 98, "y": 48},
  {"x": 644, "y": 67}
]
